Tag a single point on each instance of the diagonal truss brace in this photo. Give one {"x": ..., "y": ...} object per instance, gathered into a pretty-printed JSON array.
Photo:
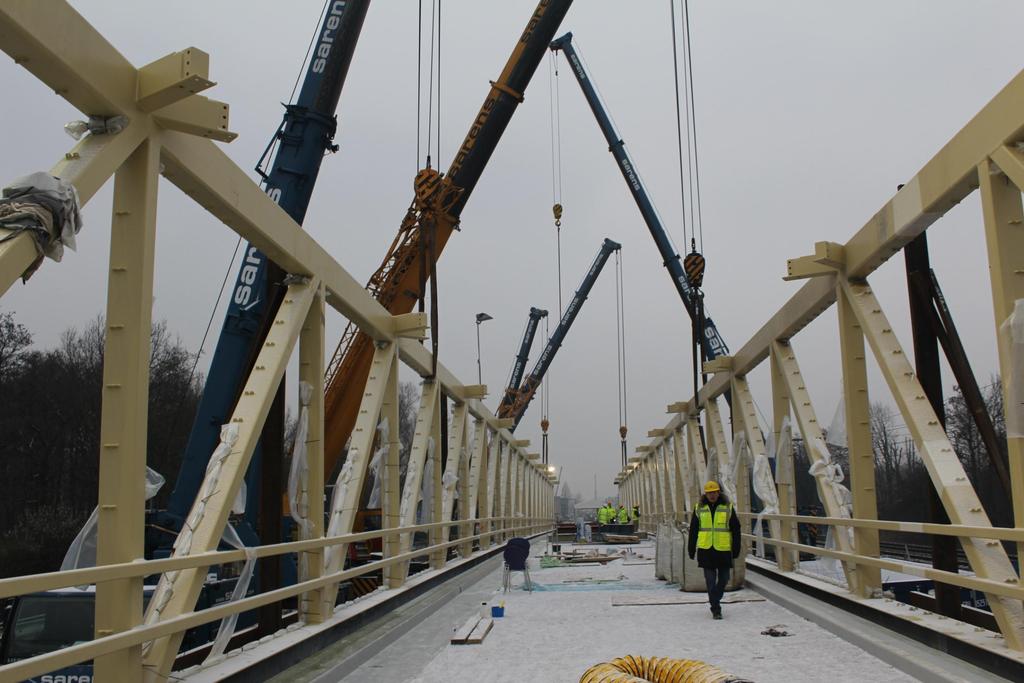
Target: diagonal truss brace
[
  {"x": 988, "y": 558},
  {"x": 807, "y": 420},
  {"x": 177, "y": 592}
]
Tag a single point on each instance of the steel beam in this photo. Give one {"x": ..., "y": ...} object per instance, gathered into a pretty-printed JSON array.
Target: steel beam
[
  {"x": 858, "y": 440},
  {"x": 125, "y": 395},
  {"x": 988, "y": 559},
  {"x": 784, "y": 472},
  {"x": 1004, "y": 237},
  {"x": 311, "y": 371},
  {"x": 177, "y": 594},
  {"x": 788, "y": 373},
  {"x": 353, "y": 475}
]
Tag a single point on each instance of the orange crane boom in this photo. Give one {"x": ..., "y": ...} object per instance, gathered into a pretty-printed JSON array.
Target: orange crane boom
[{"x": 429, "y": 222}]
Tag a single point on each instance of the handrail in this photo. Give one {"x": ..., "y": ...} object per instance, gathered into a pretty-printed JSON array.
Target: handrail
[
  {"x": 33, "y": 583},
  {"x": 1009, "y": 590},
  {"x": 958, "y": 530},
  {"x": 86, "y": 651}
]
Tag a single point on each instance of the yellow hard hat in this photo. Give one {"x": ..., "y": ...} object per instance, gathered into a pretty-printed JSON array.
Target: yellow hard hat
[{"x": 711, "y": 486}]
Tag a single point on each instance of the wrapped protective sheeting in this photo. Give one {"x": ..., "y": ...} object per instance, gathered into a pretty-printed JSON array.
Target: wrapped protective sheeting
[
  {"x": 340, "y": 495},
  {"x": 448, "y": 482},
  {"x": 1011, "y": 336},
  {"x": 426, "y": 512},
  {"x": 836, "y": 433},
  {"x": 377, "y": 462},
  {"x": 713, "y": 468},
  {"x": 764, "y": 484},
  {"x": 82, "y": 551},
  {"x": 45, "y": 206},
  {"x": 228, "y": 624},
  {"x": 831, "y": 474},
  {"x": 298, "y": 473}
]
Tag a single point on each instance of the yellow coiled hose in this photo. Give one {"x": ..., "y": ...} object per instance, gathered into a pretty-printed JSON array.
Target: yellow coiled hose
[{"x": 634, "y": 669}]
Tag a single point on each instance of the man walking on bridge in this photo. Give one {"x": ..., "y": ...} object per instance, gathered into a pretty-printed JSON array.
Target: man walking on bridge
[{"x": 715, "y": 539}]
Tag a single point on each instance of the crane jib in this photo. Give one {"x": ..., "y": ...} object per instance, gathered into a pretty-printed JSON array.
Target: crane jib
[
  {"x": 302, "y": 138},
  {"x": 711, "y": 341}
]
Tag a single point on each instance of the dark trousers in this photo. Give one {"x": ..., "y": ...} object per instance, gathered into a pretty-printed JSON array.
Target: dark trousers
[{"x": 716, "y": 579}]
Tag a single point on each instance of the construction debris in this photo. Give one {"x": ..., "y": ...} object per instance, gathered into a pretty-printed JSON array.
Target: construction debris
[
  {"x": 473, "y": 631},
  {"x": 776, "y": 631}
]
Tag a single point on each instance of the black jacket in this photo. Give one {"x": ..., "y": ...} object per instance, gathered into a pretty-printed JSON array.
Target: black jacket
[{"x": 710, "y": 558}]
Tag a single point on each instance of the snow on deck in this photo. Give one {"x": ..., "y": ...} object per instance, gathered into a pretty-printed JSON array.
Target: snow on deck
[{"x": 569, "y": 623}]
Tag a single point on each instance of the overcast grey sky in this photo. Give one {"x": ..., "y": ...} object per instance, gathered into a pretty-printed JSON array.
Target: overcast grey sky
[{"x": 808, "y": 114}]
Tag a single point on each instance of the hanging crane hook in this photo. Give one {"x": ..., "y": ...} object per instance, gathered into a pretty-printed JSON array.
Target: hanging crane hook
[{"x": 557, "y": 210}]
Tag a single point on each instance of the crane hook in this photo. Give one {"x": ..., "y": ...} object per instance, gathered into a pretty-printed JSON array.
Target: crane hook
[{"x": 557, "y": 210}]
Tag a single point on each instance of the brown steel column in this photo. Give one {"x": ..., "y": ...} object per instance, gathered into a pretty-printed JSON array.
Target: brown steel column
[{"x": 926, "y": 363}]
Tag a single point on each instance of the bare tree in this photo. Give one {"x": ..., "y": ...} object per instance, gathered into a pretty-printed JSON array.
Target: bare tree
[
  {"x": 14, "y": 343},
  {"x": 408, "y": 406}
]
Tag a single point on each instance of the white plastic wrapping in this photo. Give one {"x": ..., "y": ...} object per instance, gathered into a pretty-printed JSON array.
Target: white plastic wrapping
[
  {"x": 377, "y": 463},
  {"x": 784, "y": 472},
  {"x": 82, "y": 551},
  {"x": 298, "y": 473},
  {"x": 831, "y": 474},
  {"x": 712, "y": 469},
  {"x": 46, "y": 206},
  {"x": 227, "y": 624},
  {"x": 764, "y": 487},
  {"x": 1011, "y": 334},
  {"x": 450, "y": 493},
  {"x": 407, "y": 491},
  {"x": 426, "y": 515},
  {"x": 340, "y": 495},
  {"x": 238, "y": 507},
  {"x": 836, "y": 434}
]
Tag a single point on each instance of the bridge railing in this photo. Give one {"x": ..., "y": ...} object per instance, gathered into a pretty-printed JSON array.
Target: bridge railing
[
  {"x": 169, "y": 130},
  {"x": 665, "y": 476},
  {"x": 83, "y": 652}
]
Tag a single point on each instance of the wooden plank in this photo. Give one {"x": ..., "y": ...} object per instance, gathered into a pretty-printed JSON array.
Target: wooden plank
[
  {"x": 480, "y": 632},
  {"x": 679, "y": 598},
  {"x": 463, "y": 631}
]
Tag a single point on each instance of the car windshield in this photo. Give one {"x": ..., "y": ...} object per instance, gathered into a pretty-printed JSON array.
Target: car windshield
[{"x": 44, "y": 623}]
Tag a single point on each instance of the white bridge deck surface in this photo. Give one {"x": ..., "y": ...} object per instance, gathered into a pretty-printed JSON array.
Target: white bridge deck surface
[{"x": 569, "y": 623}]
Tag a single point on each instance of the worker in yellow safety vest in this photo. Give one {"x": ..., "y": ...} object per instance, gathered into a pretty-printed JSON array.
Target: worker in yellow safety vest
[
  {"x": 604, "y": 513},
  {"x": 623, "y": 516},
  {"x": 715, "y": 539}
]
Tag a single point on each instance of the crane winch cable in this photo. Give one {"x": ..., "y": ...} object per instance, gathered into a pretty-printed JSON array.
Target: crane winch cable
[
  {"x": 234, "y": 254},
  {"x": 426, "y": 179},
  {"x": 620, "y": 347},
  {"x": 693, "y": 121},
  {"x": 556, "y": 165},
  {"x": 419, "y": 78},
  {"x": 679, "y": 121}
]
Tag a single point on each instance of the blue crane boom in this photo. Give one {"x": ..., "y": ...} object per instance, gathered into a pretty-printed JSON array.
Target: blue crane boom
[
  {"x": 711, "y": 341},
  {"x": 305, "y": 135},
  {"x": 519, "y": 366},
  {"x": 516, "y": 407}
]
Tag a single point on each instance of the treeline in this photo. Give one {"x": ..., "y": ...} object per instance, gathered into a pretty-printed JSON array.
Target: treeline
[
  {"x": 901, "y": 479},
  {"x": 49, "y": 434},
  {"x": 50, "y": 406}
]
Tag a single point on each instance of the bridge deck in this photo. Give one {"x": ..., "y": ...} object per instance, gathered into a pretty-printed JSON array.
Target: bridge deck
[{"x": 573, "y": 620}]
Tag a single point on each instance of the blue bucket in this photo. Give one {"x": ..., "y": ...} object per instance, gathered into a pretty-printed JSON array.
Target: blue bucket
[{"x": 497, "y": 611}]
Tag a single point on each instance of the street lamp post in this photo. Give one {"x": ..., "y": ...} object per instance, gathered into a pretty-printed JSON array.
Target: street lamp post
[{"x": 480, "y": 317}]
